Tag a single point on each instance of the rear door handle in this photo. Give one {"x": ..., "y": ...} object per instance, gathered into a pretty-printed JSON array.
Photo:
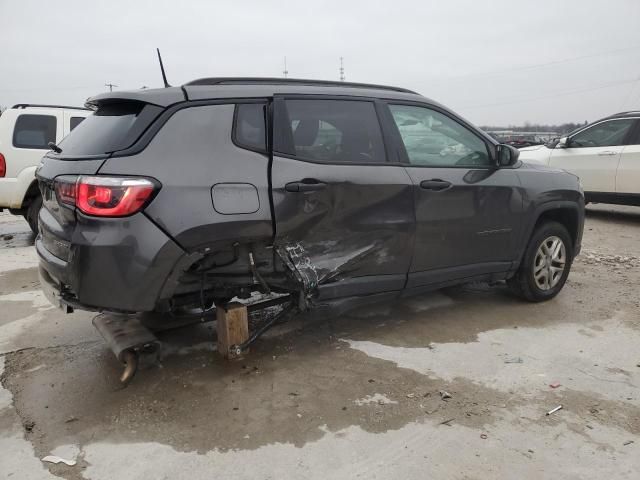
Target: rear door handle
[
  {"x": 607, "y": 153},
  {"x": 305, "y": 186},
  {"x": 435, "y": 184}
]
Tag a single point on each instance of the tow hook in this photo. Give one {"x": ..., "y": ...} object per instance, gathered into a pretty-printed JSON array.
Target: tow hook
[{"x": 127, "y": 338}]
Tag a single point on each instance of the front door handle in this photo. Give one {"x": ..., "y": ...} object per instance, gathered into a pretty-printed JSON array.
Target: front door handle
[
  {"x": 310, "y": 185},
  {"x": 607, "y": 153},
  {"x": 435, "y": 184}
]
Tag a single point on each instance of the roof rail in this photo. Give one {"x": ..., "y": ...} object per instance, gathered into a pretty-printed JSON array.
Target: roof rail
[
  {"x": 289, "y": 81},
  {"x": 25, "y": 105},
  {"x": 624, "y": 113}
]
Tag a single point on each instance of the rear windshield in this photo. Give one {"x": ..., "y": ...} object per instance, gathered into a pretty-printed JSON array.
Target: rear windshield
[{"x": 112, "y": 127}]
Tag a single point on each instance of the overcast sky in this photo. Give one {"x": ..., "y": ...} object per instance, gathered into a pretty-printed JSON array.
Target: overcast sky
[{"x": 495, "y": 62}]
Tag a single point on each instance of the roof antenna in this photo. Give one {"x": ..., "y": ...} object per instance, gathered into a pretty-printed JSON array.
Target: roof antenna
[{"x": 164, "y": 75}]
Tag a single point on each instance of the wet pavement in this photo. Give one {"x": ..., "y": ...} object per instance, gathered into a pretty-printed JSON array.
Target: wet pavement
[{"x": 453, "y": 384}]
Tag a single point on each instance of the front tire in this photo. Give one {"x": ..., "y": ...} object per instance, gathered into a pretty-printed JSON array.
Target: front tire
[
  {"x": 31, "y": 215},
  {"x": 545, "y": 265}
]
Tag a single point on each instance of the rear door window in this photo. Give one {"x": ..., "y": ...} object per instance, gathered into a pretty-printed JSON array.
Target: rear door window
[
  {"x": 250, "y": 126},
  {"x": 335, "y": 131},
  {"x": 34, "y": 131},
  {"x": 112, "y": 127}
]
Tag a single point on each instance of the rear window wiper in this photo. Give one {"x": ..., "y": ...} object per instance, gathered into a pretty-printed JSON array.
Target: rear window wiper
[{"x": 54, "y": 147}]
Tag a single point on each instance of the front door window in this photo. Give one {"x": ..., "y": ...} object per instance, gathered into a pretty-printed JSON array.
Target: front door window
[
  {"x": 432, "y": 139},
  {"x": 605, "y": 134}
]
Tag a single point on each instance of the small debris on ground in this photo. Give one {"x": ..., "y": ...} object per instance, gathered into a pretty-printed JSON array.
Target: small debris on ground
[
  {"x": 7, "y": 237},
  {"x": 444, "y": 395},
  {"x": 554, "y": 410},
  {"x": 513, "y": 360},
  {"x": 71, "y": 419},
  {"x": 411, "y": 395},
  {"x": 447, "y": 422},
  {"x": 554, "y": 384},
  {"x": 28, "y": 425},
  {"x": 484, "y": 436},
  {"x": 628, "y": 442},
  {"x": 596, "y": 258},
  {"x": 55, "y": 459},
  {"x": 376, "y": 398}
]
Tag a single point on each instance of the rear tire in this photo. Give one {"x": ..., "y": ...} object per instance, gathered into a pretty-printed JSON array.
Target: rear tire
[
  {"x": 31, "y": 215},
  {"x": 545, "y": 265}
]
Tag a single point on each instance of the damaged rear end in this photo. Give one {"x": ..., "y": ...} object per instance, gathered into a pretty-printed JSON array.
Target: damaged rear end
[
  {"x": 97, "y": 248},
  {"x": 157, "y": 204}
]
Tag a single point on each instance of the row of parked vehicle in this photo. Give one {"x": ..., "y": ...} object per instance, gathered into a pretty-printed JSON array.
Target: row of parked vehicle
[{"x": 335, "y": 194}]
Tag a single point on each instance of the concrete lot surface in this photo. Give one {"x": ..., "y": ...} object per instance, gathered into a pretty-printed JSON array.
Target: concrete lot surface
[{"x": 360, "y": 396}]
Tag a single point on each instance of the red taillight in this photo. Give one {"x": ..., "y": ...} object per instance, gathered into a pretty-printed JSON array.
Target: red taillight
[
  {"x": 66, "y": 190},
  {"x": 106, "y": 196},
  {"x": 3, "y": 166}
]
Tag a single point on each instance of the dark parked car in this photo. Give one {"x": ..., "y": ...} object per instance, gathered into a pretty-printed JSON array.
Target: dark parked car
[{"x": 179, "y": 198}]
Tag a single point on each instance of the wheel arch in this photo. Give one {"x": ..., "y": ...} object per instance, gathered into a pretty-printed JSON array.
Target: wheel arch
[
  {"x": 568, "y": 217},
  {"x": 32, "y": 192},
  {"x": 567, "y": 213}
]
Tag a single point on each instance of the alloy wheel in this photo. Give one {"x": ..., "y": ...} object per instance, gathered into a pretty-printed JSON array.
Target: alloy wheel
[{"x": 549, "y": 263}]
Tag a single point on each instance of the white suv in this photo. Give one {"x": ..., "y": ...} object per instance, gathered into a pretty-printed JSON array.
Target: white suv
[
  {"x": 25, "y": 133},
  {"x": 605, "y": 155}
]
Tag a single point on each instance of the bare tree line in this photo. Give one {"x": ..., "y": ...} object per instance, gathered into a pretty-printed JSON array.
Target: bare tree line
[{"x": 561, "y": 128}]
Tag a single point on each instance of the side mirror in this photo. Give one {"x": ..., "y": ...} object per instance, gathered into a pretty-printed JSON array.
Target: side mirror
[
  {"x": 563, "y": 143},
  {"x": 506, "y": 155}
]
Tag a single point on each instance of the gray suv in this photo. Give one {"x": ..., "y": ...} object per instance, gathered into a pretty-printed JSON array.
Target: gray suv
[{"x": 333, "y": 194}]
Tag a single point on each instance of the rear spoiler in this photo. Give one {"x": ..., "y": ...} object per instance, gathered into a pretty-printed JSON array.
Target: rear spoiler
[{"x": 162, "y": 97}]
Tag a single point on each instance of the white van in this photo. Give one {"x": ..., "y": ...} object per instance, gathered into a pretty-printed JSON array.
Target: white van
[{"x": 25, "y": 133}]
